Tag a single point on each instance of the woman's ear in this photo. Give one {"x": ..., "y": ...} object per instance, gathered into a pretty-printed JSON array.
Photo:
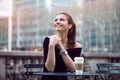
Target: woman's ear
[{"x": 70, "y": 26}]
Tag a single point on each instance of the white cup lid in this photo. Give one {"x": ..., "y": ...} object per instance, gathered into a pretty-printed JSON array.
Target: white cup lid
[{"x": 79, "y": 59}]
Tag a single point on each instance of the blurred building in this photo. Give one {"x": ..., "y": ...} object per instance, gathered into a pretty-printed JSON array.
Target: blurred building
[
  {"x": 101, "y": 26},
  {"x": 33, "y": 20},
  {"x": 97, "y": 22},
  {"x": 3, "y": 32}
]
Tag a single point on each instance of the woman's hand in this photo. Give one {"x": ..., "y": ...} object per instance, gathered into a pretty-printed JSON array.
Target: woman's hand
[
  {"x": 54, "y": 40},
  {"x": 60, "y": 46}
]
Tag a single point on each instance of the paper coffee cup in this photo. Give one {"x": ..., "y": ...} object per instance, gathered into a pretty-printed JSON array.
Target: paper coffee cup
[{"x": 79, "y": 62}]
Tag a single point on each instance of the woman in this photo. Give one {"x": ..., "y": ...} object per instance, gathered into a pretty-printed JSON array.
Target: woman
[{"x": 61, "y": 48}]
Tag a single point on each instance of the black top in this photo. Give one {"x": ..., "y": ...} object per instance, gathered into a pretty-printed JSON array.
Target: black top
[{"x": 60, "y": 66}]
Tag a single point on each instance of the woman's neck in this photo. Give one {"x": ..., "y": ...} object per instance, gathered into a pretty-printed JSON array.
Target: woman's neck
[{"x": 63, "y": 37}]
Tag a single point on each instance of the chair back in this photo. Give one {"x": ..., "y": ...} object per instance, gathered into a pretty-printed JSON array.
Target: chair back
[
  {"x": 32, "y": 68},
  {"x": 108, "y": 68}
]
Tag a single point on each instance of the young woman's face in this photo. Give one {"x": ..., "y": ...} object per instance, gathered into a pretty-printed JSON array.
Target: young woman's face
[{"x": 61, "y": 23}]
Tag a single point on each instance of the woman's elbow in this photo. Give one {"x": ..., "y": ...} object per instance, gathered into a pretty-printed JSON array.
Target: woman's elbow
[
  {"x": 49, "y": 68},
  {"x": 72, "y": 70}
]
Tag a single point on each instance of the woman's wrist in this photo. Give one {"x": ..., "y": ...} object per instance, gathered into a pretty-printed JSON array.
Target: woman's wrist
[
  {"x": 63, "y": 52},
  {"x": 51, "y": 45}
]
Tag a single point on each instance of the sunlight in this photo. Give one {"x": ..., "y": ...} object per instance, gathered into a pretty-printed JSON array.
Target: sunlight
[
  {"x": 5, "y": 8},
  {"x": 48, "y": 5}
]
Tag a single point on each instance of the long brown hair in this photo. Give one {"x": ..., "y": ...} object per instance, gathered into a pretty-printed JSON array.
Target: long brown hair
[{"x": 72, "y": 31}]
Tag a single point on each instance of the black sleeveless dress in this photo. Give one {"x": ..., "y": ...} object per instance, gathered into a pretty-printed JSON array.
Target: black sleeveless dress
[{"x": 60, "y": 66}]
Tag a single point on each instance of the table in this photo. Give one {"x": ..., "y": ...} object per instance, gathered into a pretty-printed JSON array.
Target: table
[{"x": 63, "y": 74}]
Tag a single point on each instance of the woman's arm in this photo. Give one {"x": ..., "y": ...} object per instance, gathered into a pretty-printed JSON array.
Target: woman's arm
[
  {"x": 68, "y": 62},
  {"x": 50, "y": 61},
  {"x": 66, "y": 58}
]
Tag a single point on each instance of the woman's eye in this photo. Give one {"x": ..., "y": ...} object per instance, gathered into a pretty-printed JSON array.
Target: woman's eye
[
  {"x": 55, "y": 20},
  {"x": 61, "y": 19}
]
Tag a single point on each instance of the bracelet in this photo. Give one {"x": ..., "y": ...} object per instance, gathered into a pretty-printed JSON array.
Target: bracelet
[{"x": 63, "y": 52}]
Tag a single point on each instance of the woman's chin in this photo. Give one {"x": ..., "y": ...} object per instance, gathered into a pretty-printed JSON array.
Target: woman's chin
[{"x": 58, "y": 29}]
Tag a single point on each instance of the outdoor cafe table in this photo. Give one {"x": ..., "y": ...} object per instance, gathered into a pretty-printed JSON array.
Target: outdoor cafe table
[{"x": 94, "y": 75}]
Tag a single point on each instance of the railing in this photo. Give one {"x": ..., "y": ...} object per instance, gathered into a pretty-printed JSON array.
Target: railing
[
  {"x": 12, "y": 63},
  {"x": 92, "y": 59}
]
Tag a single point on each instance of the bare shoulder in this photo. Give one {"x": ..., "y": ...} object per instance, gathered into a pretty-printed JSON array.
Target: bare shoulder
[
  {"x": 78, "y": 45},
  {"x": 50, "y": 36}
]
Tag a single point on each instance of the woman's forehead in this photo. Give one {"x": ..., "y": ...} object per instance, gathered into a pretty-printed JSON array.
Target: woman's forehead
[{"x": 61, "y": 16}]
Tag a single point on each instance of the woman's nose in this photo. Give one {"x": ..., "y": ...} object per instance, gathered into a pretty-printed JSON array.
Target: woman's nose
[{"x": 58, "y": 20}]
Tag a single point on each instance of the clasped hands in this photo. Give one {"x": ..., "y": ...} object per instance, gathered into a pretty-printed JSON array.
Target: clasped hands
[{"x": 55, "y": 40}]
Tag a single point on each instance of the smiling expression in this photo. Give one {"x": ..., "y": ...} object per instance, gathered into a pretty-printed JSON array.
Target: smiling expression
[{"x": 61, "y": 23}]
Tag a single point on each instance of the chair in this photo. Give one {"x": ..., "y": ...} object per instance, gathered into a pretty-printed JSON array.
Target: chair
[
  {"x": 111, "y": 71},
  {"x": 32, "y": 68}
]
